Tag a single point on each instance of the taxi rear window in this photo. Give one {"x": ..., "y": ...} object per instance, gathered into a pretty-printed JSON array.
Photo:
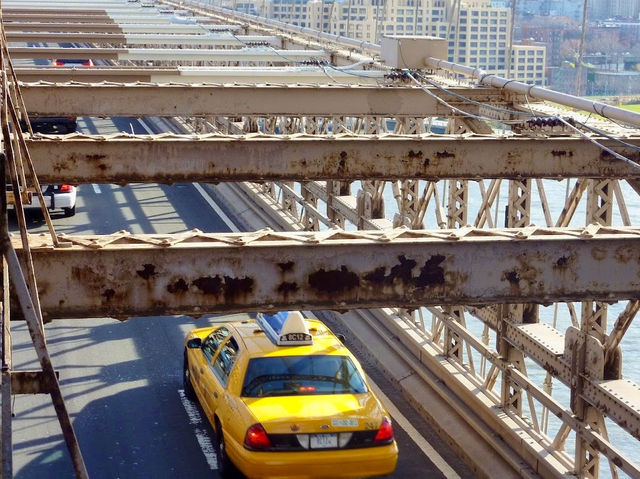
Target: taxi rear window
[{"x": 302, "y": 375}]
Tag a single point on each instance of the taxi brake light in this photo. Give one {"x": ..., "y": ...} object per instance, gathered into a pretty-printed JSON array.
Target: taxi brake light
[
  {"x": 65, "y": 188},
  {"x": 257, "y": 438},
  {"x": 385, "y": 433},
  {"x": 307, "y": 389}
]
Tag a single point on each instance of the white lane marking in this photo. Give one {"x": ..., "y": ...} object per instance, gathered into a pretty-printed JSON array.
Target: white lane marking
[
  {"x": 420, "y": 441},
  {"x": 204, "y": 194},
  {"x": 201, "y": 433},
  {"x": 96, "y": 188},
  {"x": 216, "y": 208},
  {"x": 144, "y": 125}
]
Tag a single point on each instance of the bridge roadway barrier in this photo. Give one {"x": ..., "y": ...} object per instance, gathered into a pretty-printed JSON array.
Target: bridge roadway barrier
[{"x": 459, "y": 425}]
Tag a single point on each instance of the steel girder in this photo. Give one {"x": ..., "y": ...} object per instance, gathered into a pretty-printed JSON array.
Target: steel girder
[
  {"x": 114, "y": 28},
  {"x": 616, "y": 398},
  {"x": 71, "y": 17},
  {"x": 310, "y": 74},
  {"x": 214, "y": 158},
  {"x": 143, "y": 39},
  {"x": 258, "y": 54},
  {"x": 238, "y": 100},
  {"x": 195, "y": 273}
]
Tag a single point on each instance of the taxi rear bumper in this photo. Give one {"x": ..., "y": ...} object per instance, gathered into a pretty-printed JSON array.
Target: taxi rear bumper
[{"x": 361, "y": 462}]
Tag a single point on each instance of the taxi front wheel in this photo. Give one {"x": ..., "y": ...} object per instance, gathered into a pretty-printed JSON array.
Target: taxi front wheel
[{"x": 186, "y": 380}]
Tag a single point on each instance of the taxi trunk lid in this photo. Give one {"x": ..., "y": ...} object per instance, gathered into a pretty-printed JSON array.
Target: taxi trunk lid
[{"x": 310, "y": 414}]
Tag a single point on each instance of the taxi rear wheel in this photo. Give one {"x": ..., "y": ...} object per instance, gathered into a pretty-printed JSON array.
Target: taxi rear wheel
[
  {"x": 186, "y": 380},
  {"x": 68, "y": 212},
  {"x": 225, "y": 466}
]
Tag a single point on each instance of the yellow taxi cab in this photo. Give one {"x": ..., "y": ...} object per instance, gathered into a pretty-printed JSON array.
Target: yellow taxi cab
[{"x": 287, "y": 399}]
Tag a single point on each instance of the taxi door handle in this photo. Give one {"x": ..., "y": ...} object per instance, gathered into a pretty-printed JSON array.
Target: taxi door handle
[{"x": 215, "y": 394}]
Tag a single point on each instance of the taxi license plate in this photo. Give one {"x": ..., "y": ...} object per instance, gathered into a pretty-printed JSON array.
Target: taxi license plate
[{"x": 323, "y": 441}]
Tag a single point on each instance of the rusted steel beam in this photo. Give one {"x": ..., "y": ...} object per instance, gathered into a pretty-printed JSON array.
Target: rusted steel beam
[
  {"x": 236, "y": 100},
  {"x": 180, "y": 74},
  {"x": 168, "y": 54},
  {"x": 31, "y": 382},
  {"x": 59, "y": 74},
  {"x": 102, "y": 27},
  {"x": 12, "y": 10},
  {"x": 63, "y": 27},
  {"x": 142, "y": 39},
  {"x": 195, "y": 273},
  {"x": 58, "y": 16},
  {"x": 213, "y": 158}
]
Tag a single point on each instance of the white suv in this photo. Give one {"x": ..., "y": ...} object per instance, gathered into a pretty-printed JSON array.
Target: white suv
[{"x": 57, "y": 197}]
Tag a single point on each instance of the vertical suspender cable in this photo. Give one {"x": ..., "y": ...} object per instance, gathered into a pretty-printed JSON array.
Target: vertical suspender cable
[
  {"x": 512, "y": 29},
  {"x": 375, "y": 37},
  {"x": 455, "y": 8},
  {"x": 581, "y": 52},
  {"x": 333, "y": 4},
  {"x": 322, "y": 17},
  {"x": 291, "y": 4}
]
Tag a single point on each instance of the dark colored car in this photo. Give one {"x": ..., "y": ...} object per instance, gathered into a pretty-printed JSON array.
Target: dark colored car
[{"x": 51, "y": 124}]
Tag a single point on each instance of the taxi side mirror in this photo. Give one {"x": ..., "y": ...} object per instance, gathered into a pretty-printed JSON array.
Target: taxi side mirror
[
  {"x": 341, "y": 337},
  {"x": 194, "y": 343}
]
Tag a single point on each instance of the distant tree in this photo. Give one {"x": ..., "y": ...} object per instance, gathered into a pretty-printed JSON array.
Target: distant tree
[
  {"x": 570, "y": 50},
  {"x": 608, "y": 43}
]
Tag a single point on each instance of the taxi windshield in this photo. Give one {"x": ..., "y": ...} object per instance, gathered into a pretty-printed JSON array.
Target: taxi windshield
[{"x": 302, "y": 375}]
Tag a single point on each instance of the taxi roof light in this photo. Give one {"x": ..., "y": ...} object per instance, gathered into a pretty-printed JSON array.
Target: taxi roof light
[{"x": 286, "y": 328}]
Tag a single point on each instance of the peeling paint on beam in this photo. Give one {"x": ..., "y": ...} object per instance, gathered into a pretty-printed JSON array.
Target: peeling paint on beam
[
  {"x": 196, "y": 273},
  {"x": 299, "y": 158}
]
